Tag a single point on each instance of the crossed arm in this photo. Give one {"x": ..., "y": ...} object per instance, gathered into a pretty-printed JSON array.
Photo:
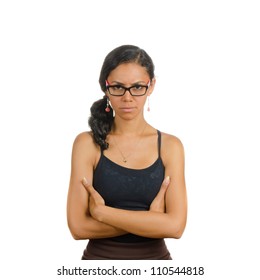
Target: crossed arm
[{"x": 89, "y": 217}]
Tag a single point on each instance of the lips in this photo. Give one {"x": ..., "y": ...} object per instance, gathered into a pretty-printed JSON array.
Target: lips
[{"x": 127, "y": 109}]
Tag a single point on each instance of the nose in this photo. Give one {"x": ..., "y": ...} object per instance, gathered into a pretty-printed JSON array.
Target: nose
[{"x": 127, "y": 96}]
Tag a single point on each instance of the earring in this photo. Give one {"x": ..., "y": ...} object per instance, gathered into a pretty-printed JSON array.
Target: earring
[
  {"x": 148, "y": 105},
  {"x": 108, "y": 106}
]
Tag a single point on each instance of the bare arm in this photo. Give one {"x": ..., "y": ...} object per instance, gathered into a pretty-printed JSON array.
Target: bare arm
[
  {"x": 81, "y": 224},
  {"x": 152, "y": 224}
]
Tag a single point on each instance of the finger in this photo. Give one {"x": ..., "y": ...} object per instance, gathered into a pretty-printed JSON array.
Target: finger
[
  {"x": 164, "y": 187},
  {"x": 87, "y": 186},
  {"x": 85, "y": 182},
  {"x": 165, "y": 183}
]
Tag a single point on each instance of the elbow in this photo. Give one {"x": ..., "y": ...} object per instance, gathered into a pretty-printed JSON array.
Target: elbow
[
  {"x": 176, "y": 231},
  {"x": 76, "y": 236},
  {"x": 75, "y": 232},
  {"x": 178, "y": 234}
]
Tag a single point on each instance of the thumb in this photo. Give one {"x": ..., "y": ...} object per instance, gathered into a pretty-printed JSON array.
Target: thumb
[
  {"x": 166, "y": 181},
  {"x": 165, "y": 185},
  {"x": 85, "y": 182},
  {"x": 87, "y": 185}
]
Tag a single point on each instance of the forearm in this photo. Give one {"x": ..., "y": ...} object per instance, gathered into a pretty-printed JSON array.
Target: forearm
[
  {"x": 144, "y": 223},
  {"x": 89, "y": 228}
]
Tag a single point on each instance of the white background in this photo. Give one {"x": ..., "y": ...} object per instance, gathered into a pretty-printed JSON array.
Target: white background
[{"x": 206, "y": 55}]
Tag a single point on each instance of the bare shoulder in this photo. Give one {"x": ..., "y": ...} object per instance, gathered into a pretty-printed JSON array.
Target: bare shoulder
[
  {"x": 171, "y": 141},
  {"x": 84, "y": 138},
  {"x": 84, "y": 145},
  {"x": 171, "y": 146}
]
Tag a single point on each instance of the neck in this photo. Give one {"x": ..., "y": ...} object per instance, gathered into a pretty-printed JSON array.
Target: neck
[{"x": 131, "y": 127}]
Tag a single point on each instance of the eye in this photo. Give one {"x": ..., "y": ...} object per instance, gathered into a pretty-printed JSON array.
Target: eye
[
  {"x": 117, "y": 87},
  {"x": 138, "y": 87}
]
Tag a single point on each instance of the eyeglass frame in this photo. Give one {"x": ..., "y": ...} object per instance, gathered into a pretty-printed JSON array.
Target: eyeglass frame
[{"x": 127, "y": 89}]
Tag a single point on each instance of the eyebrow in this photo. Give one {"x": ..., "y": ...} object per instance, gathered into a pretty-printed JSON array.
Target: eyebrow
[{"x": 122, "y": 84}]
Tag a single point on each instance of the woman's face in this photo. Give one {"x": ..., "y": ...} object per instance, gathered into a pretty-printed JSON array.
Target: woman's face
[{"x": 127, "y": 75}]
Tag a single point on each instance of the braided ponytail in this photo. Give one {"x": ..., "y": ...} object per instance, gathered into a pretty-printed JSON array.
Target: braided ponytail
[{"x": 100, "y": 122}]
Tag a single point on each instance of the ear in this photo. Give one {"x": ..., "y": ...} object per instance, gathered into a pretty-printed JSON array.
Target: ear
[
  {"x": 107, "y": 94},
  {"x": 151, "y": 87}
]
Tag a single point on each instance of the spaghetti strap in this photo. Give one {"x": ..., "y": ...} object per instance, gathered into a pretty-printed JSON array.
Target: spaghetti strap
[{"x": 159, "y": 142}]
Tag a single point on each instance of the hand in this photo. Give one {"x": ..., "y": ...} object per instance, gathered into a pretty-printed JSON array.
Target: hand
[
  {"x": 158, "y": 204},
  {"x": 95, "y": 199}
]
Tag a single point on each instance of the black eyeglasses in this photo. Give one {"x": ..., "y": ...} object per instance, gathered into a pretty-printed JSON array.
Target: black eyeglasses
[{"x": 119, "y": 90}]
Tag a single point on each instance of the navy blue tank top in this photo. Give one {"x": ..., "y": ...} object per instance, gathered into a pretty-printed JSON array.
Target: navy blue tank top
[{"x": 129, "y": 189}]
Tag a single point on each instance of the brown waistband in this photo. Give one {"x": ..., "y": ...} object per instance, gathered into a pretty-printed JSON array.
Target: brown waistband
[{"x": 104, "y": 249}]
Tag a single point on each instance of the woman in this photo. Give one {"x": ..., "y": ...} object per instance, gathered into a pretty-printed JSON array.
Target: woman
[{"x": 127, "y": 188}]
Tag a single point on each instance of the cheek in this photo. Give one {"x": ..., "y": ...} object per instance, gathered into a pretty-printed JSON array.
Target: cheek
[
  {"x": 113, "y": 103},
  {"x": 143, "y": 101}
]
